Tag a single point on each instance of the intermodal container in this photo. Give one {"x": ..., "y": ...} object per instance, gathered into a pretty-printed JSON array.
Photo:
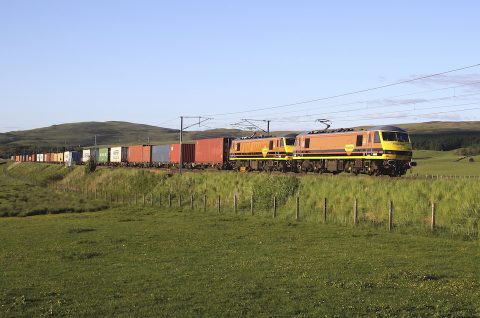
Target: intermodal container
[
  {"x": 188, "y": 153},
  {"x": 85, "y": 155},
  {"x": 212, "y": 151},
  {"x": 140, "y": 154},
  {"x": 118, "y": 154},
  {"x": 55, "y": 157},
  {"x": 60, "y": 157},
  {"x": 88, "y": 153},
  {"x": 103, "y": 155},
  {"x": 49, "y": 157},
  {"x": 161, "y": 153},
  {"x": 73, "y": 156}
]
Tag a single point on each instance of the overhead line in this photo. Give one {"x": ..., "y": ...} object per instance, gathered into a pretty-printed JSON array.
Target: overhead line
[{"x": 348, "y": 93}]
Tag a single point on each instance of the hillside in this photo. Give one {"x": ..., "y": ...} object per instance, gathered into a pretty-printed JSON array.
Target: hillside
[
  {"x": 430, "y": 135},
  {"x": 77, "y": 135}
]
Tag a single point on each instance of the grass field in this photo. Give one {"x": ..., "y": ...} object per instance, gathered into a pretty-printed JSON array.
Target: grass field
[
  {"x": 444, "y": 163},
  {"x": 135, "y": 260},
  {"x": 23, "y": 192},
  {"x": 157, "y": 262},
  {"x": 457, "y": 204}
]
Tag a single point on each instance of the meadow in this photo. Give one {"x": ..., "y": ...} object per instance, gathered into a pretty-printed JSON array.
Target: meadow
[
  {"x": 444, "y": 163},
  {"x": 456, "y": 200},
  {"x": 136, "y": 258},
  {"x": 144, "y": 261}
]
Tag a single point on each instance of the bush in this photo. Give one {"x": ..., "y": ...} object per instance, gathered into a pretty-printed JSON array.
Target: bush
[{"x": 90, "y": 166}]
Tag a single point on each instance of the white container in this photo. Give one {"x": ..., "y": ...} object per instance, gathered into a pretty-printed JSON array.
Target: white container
[
  {"x": 85, "y": 155},
  {"x": 118, "y": 154}
]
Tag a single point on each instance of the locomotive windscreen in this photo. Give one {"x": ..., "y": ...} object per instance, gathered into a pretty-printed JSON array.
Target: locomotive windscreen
[{"x": 395, "y": 136}]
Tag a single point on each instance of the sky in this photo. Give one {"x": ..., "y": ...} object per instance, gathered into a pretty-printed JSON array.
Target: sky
[{"x": 153, "y": 61}]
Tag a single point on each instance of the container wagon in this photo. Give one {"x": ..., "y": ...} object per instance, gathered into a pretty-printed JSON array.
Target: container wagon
[
  {"x": 71, "y": 157},
  {"x": 85, "y": 155},
  {"x": 118, "y": 155},
  {"x": 140, "y": 155},
  {"x": 103, "y": 156},
  {"x": 188, "y": 154},
  {"x": 161, "y": 156},
  {"x": 213, "y": 152}
]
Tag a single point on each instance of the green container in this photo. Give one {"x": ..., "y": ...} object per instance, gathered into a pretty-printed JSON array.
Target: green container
[{"x": 103, "y": 155}]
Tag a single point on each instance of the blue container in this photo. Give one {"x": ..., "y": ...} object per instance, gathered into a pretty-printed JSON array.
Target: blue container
[{"x": 161, "y": 153}]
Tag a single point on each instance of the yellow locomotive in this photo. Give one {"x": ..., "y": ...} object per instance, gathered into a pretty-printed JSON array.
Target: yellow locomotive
[{"x": 383, "y": 150}]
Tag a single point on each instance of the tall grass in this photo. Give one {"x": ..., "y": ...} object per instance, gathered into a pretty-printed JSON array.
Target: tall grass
[{"x": 458, "y": 206}]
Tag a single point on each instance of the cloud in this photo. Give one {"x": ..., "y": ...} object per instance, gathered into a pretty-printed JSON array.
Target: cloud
[
  {"x": 467, "y": 80},
  {"x": 390, "y": 102}
]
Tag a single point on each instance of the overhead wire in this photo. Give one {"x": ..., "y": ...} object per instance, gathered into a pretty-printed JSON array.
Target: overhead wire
[{"x": 344, "y": 94}]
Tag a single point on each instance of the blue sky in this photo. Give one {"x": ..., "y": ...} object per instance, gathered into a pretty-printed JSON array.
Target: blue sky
[{"x": 152, "y": 61}]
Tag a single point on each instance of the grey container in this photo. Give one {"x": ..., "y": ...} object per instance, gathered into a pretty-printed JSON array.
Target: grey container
[{"x": 161, "y": 153}]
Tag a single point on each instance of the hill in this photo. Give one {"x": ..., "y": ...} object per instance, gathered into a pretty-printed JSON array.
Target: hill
[
  {"x": 78, "y": 135},
  {"x": 434, "y": 135}
]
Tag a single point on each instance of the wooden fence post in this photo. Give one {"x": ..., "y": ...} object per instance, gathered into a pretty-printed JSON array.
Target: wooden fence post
[
  {"x": 204, "y": 203},
  {"x": 95, "y": 193},
  {"x": 218, "y": 205},
  {"x": 191, "y": 201},
  {"x": 274, "y": 206},
  {"x": 297, "y": 209},
  {"x": 390, "y": 216},
  {"x": 251, "y": 204},
  {"x": 433, "y": 224},
  {"x": 144, "y": 199},
  {"x": 235, "y": 203},
  {"x": 355, "y": 212},
  {"x": 180, "y": 201},
  {"x": 169, "y": 200},
  {"x": 325, "y": 210}
]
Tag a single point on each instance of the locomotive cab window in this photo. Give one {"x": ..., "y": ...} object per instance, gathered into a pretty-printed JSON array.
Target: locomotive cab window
[
  {"x": 270, "y": 145},
  {"x": 307, "y": 142},
  {"x": 290, "y": 141},
  {"x": 359, "y": 140},
  {"x": 376, "y": 138},
  {"x": 282, "y": 143},
  {"x": 238, "y": 146}
]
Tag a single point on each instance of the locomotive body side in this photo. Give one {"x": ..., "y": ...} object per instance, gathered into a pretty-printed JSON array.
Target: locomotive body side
[
  {"x": 268, "y": 153},
  {"x": 384, "y": 150}
]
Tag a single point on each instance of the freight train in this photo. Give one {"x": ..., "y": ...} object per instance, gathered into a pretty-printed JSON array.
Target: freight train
[{"x": 382, "y": 150}]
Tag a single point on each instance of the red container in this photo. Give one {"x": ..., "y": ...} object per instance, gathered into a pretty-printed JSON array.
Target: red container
[
  {"x": 33, "y": 158},
  {"x": 48, "y": 157},
  {"x": 188, "y": 153},
  {"x": 140, "y": 154},
  {"x": 212, "y": 151}
]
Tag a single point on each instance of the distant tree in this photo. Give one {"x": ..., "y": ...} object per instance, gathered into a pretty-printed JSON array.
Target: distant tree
[{"x": 90, "y": 166}]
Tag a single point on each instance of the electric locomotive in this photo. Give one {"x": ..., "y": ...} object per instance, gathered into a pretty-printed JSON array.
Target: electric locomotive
[{"x": 382, "y": 150}]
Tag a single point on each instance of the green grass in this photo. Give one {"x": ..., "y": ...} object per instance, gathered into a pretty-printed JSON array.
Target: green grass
[
  {"x": 457, "y": 205},
  {"x": 24, "y": 192},
  {"x": 155, "y": 262},
  {"x": 444, "y": 163},
  {"x": 132, "y": 260}
]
